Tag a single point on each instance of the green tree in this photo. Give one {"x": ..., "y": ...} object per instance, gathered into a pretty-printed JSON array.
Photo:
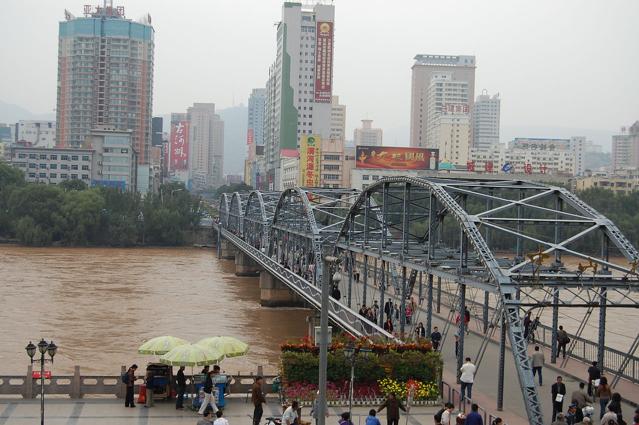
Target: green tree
[
  {"x": 10, "y": 178},
  {"x": 42, "y": 204},
  {"x": 81, "y": 213},
  {"x": 69, "y": 185}
]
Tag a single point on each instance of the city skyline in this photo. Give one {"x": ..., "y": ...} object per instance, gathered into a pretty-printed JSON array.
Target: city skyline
[{"x": 525, "y": 69}]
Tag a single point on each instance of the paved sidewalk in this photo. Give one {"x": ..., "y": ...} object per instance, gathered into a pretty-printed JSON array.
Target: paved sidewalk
[{"x": 113, "y": 412}]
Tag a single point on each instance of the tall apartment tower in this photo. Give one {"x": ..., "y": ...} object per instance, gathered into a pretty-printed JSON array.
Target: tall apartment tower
[
  {"x": 460, "y": 68},
  {"x": 105, "y": 76},
  {"x": 254, "y": 163},
  {"x": 449, "y": 128},
  {"x": 625, "y": 148},
  {"x": 338, "y": 120},
  {"x": 206, "y": 145},
  {"x": 486, "y": 120},
  {"x": 367, "y": 135},
  {"x": 299, "y": 88}
]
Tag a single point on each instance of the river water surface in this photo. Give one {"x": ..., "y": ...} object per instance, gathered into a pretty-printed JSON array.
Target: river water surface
[{"x": 100, "y": 304}]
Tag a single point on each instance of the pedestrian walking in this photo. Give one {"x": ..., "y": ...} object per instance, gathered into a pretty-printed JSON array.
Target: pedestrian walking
[
  {"x": 538, "y": 362},
  {"x": 345, "y": 419},
  {"x": 562, "y": 341},
  {"x": 605, "y": 394},
  {"x": 180, "y": 381},
  {"x": 208, "y": 393},
  {"x": 149, "y": 389},
  {"x": 392, "y": 406},
  {"x": 388, "y": 326},
  {"x": 289, "y": 417},
  {"x": 474, "y": 418},
  {"x": 207, "y": 418},
  {"x": 388, "y": 309},
  {"x": 315, "y": 409},
  {"x": 457, "y": 336},
  {"x": 221, "y": 420},
  {"x": 257, "y": 397},
  {"x": 435, "y": 338},
  {"x": 558, "y": 392},
  {"x": 527, "y": 323},
  {"x": 467, "y": 379},
  {"x": 362, "y": 310},
  {"x": 372, "y": 419},
  {"x": 129, "y": 381},
  {"x": 420, "y": 331},
  {"x": 335, "y": 293},
  {"x": 615, "y": 406},
  {"x": 593, "y": 374},
  {"x": 375, "y": 310},
  {"x": 610, "y": 417},
  {"x": 581, "y": 399},
  {"x": 447, "y": 417}
]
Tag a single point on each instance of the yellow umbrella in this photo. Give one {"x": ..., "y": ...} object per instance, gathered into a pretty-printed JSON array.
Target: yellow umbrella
[
  {"x": 229, "y": 346},
  {"x": 161, "y": 345},
  {"x": 191, "y": 355}
]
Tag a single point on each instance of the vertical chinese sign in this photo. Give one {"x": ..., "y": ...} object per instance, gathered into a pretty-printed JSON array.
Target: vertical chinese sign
[
  {"x": 310, "y": 153},
  {"x": 180, "y": 145},
  {"x": 324, "y": 62}
]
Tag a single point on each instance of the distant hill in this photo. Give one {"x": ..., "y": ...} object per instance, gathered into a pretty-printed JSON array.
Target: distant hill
[{"x": 10, "y": 114}]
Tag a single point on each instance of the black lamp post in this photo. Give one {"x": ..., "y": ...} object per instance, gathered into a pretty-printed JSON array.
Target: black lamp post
[
  {"x": 351, "y": 352},
  {"x": 44, "y": 348}
]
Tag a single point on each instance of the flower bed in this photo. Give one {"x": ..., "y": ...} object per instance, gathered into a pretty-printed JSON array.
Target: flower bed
[{"x": 388, "y": 368}]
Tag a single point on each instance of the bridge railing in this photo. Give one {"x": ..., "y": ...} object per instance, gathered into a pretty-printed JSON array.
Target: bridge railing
[
  {"x": 583, "y": 349},
  {"x": 452, "y": 395}
]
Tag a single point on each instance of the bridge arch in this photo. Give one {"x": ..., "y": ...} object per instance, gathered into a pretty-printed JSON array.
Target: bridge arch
[
  {"x": 236, "y": 213},
  {"x": 225, "y": 207},
  {"x": 258, "y": 216}
]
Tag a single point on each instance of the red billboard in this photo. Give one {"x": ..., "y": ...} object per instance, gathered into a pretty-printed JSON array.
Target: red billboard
[
  {"x": 249, "y": 136},
  {"x": 324, "y": 62},
  {"x": 397, "y": 158},
  {"x": 180, "y": 145}
]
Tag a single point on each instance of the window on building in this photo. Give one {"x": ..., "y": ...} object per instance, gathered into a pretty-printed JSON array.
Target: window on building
[
  {"x": 74, "y": 176},
  {"x": 43, "y": 166},
  {"x": 64, "y": 157},
  {"x": 53, "y": 175},
  {"x": 74, "y": 166},
  {"x": 54, "y": 157},
  {"x": 32, "y": 175},
  {"x": 43, "y": 156},
  {"x": 85, "y": 177},
  {"x": 375, "y": 177},
  {"x": 85, "y": 157},
  {"x": 365, "y": 177},
  {"x": 53, "y": 166},
  {"x": 33, "y": 165},
  {"x": 64, "y": 167},
  {"x": 85, "y": 167},
  {"x": 22, "y": 155},
  {"x": 42, "y": 175},
  {"x": 33, "y": 156}
]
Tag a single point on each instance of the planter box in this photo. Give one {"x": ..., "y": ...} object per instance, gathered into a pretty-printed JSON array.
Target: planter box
[{"x": 360, "y": 402}]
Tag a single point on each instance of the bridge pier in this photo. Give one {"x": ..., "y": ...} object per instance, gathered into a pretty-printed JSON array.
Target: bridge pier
[
  {"x": 227, "y": 250},
  {"x": 274, "y": 293},
  {"x": 245, "y": 265}
]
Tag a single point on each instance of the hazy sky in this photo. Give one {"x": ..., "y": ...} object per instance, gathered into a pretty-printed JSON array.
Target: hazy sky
[{"x": 556, "y": 63}]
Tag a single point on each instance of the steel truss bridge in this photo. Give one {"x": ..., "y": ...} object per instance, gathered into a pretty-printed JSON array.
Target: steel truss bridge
[{"x": 525, "y": 246}]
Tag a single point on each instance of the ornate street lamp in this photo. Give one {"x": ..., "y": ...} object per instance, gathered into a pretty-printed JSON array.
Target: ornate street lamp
[
  {"x": 351, "y": 353},
  {"x": 43, "y": 347}
]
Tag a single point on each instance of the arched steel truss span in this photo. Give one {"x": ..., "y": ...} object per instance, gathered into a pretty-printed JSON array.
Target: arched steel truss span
[{"x": 527, "y": 245}]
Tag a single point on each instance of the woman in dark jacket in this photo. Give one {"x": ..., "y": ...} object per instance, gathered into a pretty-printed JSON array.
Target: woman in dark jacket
[{"x": 615, "y": 406}]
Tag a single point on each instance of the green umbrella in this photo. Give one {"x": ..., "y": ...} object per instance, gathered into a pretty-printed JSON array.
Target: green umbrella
[
  {"x": 161, "y": 345},
  {"x": 191, "y": 355},
  {"x": 229, "y": 346}
]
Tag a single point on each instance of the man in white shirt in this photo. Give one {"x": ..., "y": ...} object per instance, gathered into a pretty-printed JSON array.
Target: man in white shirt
[
  {"x": 467, "y": 378},
  {"x": 290, "y": 414},
  {"x": 220, "y": 420}
]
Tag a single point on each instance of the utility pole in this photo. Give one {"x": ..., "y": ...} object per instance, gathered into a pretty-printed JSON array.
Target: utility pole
[{"x": 323, "y": 344}]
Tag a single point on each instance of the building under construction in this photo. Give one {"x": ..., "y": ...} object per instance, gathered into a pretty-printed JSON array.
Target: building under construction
[{"x": 105, "y": 76}]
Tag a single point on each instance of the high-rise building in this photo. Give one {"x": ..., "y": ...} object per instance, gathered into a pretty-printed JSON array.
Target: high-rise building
[
  {"x": 460, "y": 68},
  {"x": 206, "y": 146},
  {"x": 254, "y": 163},
  {"x": 36, "y": 133},
  {"x": 625, "y": 148},
  {"x": 299, "y": 88},
  {"x": 105, "y": 76},
  {"x": 448, "y": 130},
  {"x": 367, "y": 135},
  {"x": 338, "y": 120},
  {"x": 486, "y": 120},
  {"x": 157, "y": 131}
]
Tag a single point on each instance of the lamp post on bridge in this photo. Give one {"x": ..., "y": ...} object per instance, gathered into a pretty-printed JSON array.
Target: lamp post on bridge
[
  {"x": 43, "y": 347},
  {"x": 351, "y": 353},
  {"x": 328, "y": 266}
]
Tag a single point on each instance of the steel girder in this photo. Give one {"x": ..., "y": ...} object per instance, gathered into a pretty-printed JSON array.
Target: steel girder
[
  {"x": 258, "y": 216},
  {"x": 236, "y": 213},
  {"x": 225, "y": 208}
]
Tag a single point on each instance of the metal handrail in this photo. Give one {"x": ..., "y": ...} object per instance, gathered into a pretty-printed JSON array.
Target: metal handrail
[{"x": 454, "y": 397}]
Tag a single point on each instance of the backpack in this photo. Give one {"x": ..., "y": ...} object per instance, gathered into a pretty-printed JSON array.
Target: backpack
[
  {"x": 125, "y": 378},
  {"x": 438, "y": 415}
]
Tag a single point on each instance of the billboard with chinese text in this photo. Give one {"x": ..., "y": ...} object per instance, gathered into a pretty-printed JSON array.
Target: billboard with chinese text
[
  {"x": 310, "y": 154},
  {"x": 324, "y": 62},
  {"x": 179, "y": 145},
  {"x": 397, "y": 158}
]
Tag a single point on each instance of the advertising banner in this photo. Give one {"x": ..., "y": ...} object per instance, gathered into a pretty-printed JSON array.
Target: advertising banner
[
  {"x": 393, "y": 158},
  {"x": 180, "y": 145},
  {"x": 324, "y": 62},
  {"x": 249, "y": 136},
  {"x": 310, "y": 155}
]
